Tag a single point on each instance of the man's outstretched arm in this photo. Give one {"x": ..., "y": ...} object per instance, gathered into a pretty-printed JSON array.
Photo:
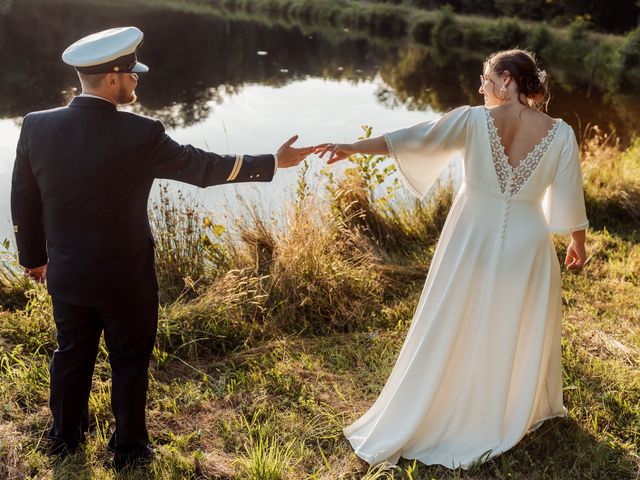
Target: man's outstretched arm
[{"x": 195, "y": 166}]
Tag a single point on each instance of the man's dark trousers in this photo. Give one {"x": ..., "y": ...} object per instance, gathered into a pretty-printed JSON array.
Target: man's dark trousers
[{"x": 129, "y": 334}]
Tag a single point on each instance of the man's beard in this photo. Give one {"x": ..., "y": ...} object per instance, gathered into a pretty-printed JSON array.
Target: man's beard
[{"x": 126, "y": 99}]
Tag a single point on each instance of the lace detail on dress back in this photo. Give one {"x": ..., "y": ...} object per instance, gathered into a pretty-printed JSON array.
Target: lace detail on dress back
[{"x": 512, "y": 179}]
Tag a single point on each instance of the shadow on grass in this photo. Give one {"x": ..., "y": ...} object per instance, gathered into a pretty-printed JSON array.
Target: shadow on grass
[
  {"x": 77, "y": 466},
  {"x": 560, "y": 448},
  {"x": 628, "y": 232}
]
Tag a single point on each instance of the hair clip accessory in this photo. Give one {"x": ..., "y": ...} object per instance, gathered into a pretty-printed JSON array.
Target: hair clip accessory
[{"x": 542, "y": 76}]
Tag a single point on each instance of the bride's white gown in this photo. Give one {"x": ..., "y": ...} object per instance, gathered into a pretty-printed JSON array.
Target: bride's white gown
[{"x": 481, "y": 363}]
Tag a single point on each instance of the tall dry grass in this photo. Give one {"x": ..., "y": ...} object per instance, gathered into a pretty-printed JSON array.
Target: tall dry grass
[
  {"x": 611, "y": 180},
  {"x": 187, "y": 245},
  {"x": 13, "y": 284}
]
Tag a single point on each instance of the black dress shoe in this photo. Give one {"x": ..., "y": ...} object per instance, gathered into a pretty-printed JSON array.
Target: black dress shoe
[
  {"x": 58, "y": 448},
  {"x": 124, "y": 460}
]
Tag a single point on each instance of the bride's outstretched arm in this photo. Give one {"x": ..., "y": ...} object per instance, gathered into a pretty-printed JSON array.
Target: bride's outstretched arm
[{"x": 340, "y": 151}]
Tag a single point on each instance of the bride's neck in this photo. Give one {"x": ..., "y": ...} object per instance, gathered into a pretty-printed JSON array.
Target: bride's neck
[{"x": 515, "y": 99}]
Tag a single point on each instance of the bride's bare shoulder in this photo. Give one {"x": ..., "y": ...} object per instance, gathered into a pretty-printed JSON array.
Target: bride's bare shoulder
[
  {"x": 514, "y": 121},
  {"x": 535, "y": 120},
  {"x": 539, "y": 118}
]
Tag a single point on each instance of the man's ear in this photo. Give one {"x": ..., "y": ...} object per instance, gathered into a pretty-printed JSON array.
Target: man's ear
[{"x": 112, "y": 79}]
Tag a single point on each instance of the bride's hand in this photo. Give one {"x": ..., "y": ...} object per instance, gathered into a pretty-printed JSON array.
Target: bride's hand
[
  {"x": 576, "y": 255},
  {"x": 337, "y": 151}
]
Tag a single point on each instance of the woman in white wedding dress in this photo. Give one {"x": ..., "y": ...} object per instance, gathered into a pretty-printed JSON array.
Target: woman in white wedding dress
[{"x": 481, "y": 364}]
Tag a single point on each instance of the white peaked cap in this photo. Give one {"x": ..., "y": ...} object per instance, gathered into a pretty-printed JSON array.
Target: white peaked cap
[{"x": 109, "y": 51}]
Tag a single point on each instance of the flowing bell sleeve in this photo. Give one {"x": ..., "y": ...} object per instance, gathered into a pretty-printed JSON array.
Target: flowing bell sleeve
[
  {"x": 422, "y": 151},
  {"x": 563, "y": 203}
]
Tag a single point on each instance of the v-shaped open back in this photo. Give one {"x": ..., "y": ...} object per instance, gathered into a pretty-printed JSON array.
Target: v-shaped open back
[{"x": 511, "y": 178}]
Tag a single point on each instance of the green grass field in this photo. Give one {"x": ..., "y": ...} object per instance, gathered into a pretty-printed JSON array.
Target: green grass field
[{"x": 282, "y": 335}]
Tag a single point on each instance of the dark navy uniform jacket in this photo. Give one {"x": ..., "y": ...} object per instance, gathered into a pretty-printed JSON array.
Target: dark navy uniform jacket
[{"x": 80, "y": 187}]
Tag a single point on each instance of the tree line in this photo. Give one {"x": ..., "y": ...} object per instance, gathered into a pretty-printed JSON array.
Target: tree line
[{"x": 617, "y": 16}]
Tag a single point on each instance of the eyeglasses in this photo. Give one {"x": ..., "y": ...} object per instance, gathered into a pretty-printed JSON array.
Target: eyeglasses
[{"x": 483, "y": 79}]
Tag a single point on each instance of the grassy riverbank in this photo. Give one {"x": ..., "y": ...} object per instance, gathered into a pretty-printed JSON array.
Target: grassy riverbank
[{"x": 282, "y": 335}]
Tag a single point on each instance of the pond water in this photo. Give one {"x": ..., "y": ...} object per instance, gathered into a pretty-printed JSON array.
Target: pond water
[{"x": 235, "y": 86}]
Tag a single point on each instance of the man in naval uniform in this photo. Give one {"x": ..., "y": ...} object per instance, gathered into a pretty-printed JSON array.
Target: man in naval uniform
[{"x": 81, "y": 182}]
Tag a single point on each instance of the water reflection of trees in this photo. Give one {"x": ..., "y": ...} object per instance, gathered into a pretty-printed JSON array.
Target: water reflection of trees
[
  {"x": 198, "y": 60},
  {"x": 195, "y": 60}
]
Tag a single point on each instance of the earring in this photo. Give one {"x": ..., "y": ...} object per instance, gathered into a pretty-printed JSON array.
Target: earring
[{"x": 503, "y": 91}]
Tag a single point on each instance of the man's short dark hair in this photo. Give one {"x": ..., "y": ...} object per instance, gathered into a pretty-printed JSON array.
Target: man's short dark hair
[{"x": 93, "y": 80}]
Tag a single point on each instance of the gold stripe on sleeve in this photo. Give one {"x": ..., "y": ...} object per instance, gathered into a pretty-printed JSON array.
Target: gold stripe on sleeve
[
  {"x": 239, "y": 159},
  {"x": 236, "y": 168}
]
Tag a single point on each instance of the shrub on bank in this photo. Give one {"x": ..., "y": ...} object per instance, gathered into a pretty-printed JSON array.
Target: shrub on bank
[
  {"x": 504, "y": 33},
  {"x": 446, "y": 32},
  {"x": 627, "y": 62},
  {"x": 381, "y": 20},
  {"x": 421, "y": 30},
  {"x": 578, "y": 29},
  {"x": 388, "y": 21},
  {"x": 539, "y": 39},
  {"x": 313, "y": 11}
]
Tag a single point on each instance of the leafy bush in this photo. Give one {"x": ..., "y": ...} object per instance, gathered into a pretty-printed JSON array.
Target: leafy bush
[
  {"x": 446, "y": 32},
  {"x": 628, "y": 62},
  {"x": 539, "y": 38},
  {"x": 504, "y": 33},
  {"x": 384, "y": 20},
  {"x": 421, "y": 31},
  {"x": 391, "y": 20},
  {"x": 578, "y": 29},
  {"x": 313, "y": 11}
]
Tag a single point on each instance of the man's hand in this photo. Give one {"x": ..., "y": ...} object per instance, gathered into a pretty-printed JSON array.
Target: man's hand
[
  {"x": 289, "y": 156},
  {"x": 38, "y": 274}
]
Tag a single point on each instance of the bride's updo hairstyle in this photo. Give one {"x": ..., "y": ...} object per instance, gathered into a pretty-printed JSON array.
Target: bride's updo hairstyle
[{"x": 522, "y": 65}]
